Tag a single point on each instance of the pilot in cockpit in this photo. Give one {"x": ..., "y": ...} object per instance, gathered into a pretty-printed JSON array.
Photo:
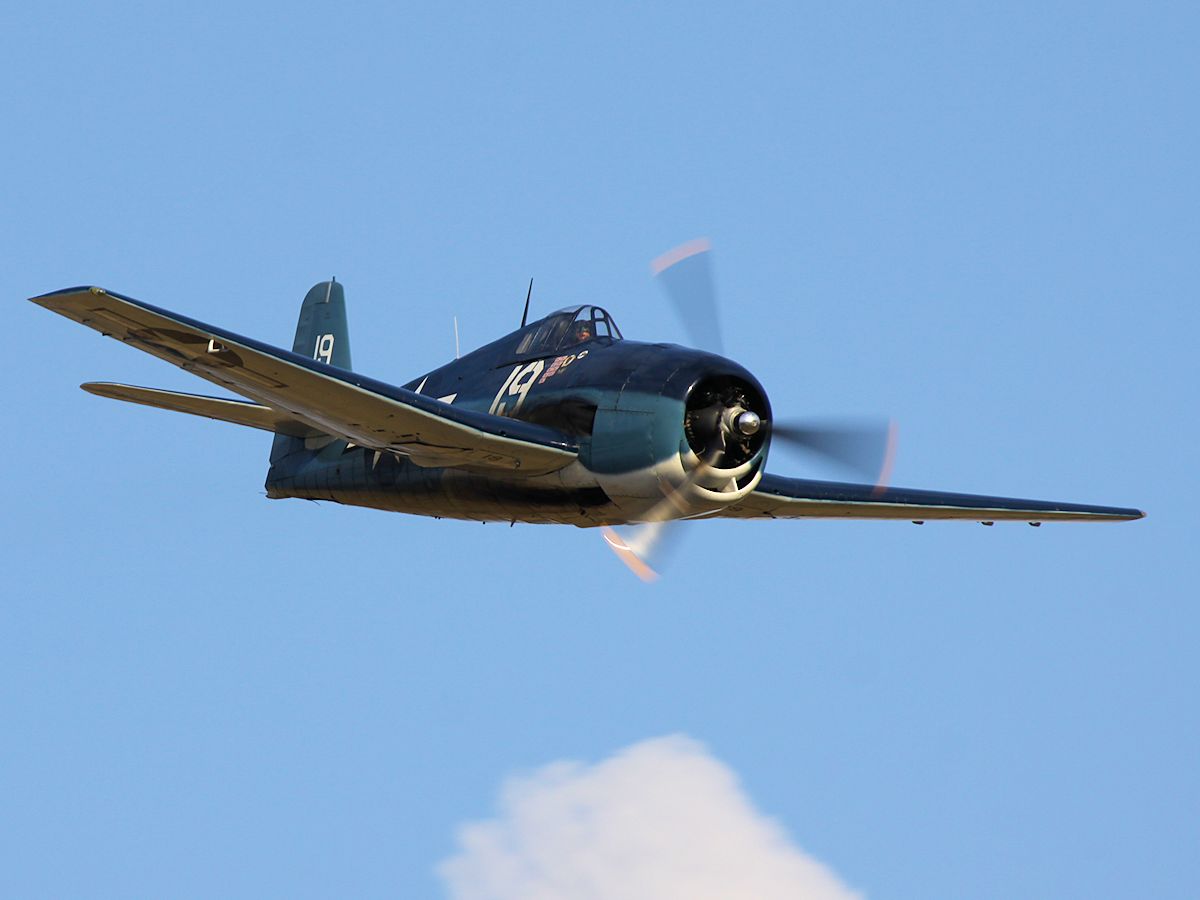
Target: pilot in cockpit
[{"x": 584, "y": 331}]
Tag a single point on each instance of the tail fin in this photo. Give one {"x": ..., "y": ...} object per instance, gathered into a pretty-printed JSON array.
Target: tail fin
[{"x": 322, "y": 334}]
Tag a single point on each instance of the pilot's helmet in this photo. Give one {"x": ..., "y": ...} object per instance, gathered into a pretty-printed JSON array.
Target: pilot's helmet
[{"x": 583, "y": 331}]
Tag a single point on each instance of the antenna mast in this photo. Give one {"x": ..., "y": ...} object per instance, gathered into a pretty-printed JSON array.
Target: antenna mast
[{"x": 528, "y": 294}]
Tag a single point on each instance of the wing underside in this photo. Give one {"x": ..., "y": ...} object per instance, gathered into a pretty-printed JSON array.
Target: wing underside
[
  {"x": 798, "y": 498},
  {"x": 313, "y": 395}
]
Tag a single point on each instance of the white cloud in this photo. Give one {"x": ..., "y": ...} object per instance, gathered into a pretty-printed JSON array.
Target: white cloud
[{"x": 660, "y": 819}]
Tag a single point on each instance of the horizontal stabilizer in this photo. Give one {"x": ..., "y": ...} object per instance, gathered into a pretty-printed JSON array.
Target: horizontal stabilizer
[{"x": 238, "y": 412}]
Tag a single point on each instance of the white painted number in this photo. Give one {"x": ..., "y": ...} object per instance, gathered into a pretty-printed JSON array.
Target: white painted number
[
  {"x": 517, "y": 384},
  {"x": 324, "y": 349}
]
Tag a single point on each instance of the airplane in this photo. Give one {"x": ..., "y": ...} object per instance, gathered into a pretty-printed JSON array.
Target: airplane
[{"x": 562, "y": 421}]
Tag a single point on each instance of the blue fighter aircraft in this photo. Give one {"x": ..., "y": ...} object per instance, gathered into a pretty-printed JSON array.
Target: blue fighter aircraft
[{"x": 561, "y": 421}]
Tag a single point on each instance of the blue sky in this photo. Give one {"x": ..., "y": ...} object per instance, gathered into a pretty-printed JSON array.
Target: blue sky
[{"x": 979, "y": 220}]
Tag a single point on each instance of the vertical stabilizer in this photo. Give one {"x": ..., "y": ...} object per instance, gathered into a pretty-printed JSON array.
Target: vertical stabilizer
[
  {"x": 321, "y": 332},
  {"x": 323, "y": 335}
]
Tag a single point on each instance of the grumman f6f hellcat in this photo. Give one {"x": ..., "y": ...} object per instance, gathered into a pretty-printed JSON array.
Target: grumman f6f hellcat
[{"x": 561, "y": 421}]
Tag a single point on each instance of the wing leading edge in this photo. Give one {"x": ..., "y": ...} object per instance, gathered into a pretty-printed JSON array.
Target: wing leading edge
[
  {"x": 798, "y": 498},
  {"x": 324, "y": 398}
]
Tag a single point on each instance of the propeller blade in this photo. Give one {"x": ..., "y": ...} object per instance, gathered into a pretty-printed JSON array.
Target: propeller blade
[
  {"x": 685, "y": 272},
  {"x": 643, "y": 550},
  {"x": 640, "y": 551},
  {"x": 866, "y": 447}
]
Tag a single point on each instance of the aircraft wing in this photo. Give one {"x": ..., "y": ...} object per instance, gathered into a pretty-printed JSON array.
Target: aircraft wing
[
  {"x": 798, "y": 498},
  {"x": 313, "y": 394}
]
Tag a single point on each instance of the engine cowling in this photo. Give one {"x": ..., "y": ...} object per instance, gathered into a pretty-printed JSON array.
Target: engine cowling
[{"x": 687, "y": 431}]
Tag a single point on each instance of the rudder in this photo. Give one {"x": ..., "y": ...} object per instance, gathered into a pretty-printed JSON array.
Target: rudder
[{"x": 321, "y": 334}]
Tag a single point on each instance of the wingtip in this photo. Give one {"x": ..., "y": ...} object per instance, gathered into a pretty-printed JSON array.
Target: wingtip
[{"x": 91, "y": 288}]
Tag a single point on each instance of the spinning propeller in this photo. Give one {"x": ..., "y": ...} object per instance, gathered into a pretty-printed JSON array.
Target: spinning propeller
[{"x": 722, "y": 425}]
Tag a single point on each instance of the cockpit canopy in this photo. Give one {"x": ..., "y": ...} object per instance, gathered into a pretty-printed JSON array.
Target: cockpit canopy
[{"x": 568, "y": 327}]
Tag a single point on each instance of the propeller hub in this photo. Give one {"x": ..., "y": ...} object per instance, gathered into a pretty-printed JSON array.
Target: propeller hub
[
  {"x": 726, "y": 419},
  {"x": 748, "y": 423}
]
